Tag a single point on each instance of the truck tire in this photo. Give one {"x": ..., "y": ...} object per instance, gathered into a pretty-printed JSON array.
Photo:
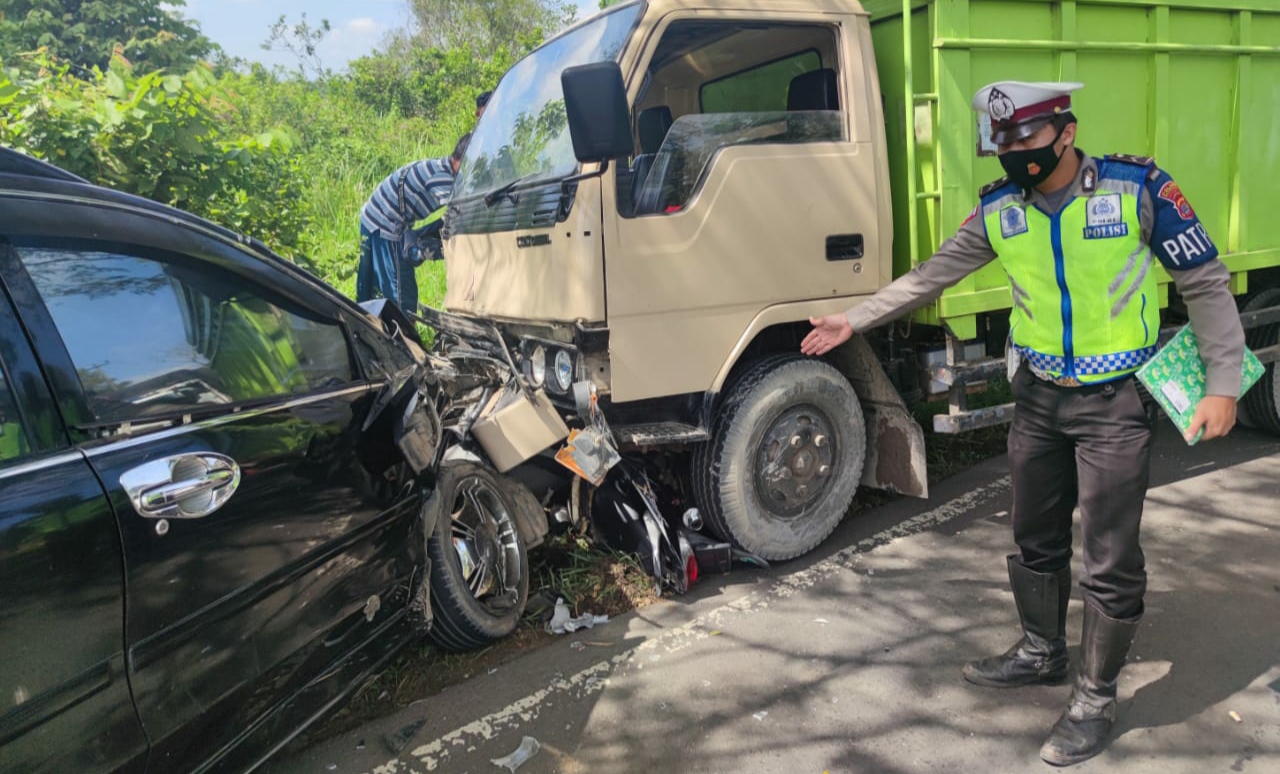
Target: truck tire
[
  {"x": 785, "y": 457},
  {"x": 1260, "y": 407},
  {"x": 479, "y": 562}
]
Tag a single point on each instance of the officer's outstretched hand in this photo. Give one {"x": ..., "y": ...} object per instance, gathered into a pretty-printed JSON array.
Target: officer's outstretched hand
[
  {"x": 1216, "y": 414},
  {"x": 828, "y": 333}
]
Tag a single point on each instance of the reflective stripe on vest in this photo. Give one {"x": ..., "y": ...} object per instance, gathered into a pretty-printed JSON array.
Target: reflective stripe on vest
[{"x": 1085, "y": 302}]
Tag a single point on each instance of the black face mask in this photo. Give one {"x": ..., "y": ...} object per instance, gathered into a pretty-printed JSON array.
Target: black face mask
[{"x": 1030, "y": 168}]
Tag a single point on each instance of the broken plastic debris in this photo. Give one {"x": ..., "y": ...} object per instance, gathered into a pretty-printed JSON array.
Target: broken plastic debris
[
  {"x": 527, "y": 749},
  {"x": 332, "y": 767},
  {"x": 1235, "y": 716},
  {"x": 563, "y": 622},
  {"x": 821, "y": 621},
  {"x": 760, "y": 715},
  {"x": 590, "y": 453}
]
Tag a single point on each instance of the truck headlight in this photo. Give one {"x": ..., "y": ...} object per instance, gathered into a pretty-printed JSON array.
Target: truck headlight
[
  {"x": 538, "y": 366},
  {"x": 564, "y": 370}
]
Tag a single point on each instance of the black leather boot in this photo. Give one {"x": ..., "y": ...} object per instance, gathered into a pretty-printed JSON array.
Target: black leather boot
[
  {"x": 1084, "y": 729},
  {"x": 1040, "y": 657}
]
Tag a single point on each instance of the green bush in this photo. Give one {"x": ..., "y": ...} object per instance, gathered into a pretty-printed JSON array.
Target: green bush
[{"x": 160, "y": 136}]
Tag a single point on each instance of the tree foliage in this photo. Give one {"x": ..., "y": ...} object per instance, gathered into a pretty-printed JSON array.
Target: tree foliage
[
  {"x": 160, "y": 136},
  {"x": 487, "y": 25},
  {"x": 150, "y": 34}
]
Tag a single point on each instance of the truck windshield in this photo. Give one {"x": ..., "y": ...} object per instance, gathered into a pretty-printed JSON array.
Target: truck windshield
[{"x": 524, "y": 132}]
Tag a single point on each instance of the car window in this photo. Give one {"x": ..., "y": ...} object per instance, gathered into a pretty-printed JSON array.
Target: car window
[
  {"x": 758, "y": 90},
  {"x": 153, "y": 333},
  {"x": 13, "y": 436}
]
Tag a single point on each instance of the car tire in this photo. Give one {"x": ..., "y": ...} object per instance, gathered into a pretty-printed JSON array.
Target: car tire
[
  {"x": 759, "y": 479},
  {"x": 479, "y": 562},
  {"x": 1260, "y": 407}
]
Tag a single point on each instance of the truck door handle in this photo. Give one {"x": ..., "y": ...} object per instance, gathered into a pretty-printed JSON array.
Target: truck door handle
[
  {"x": 844, "y": 247},
  {"x": 186, "y": 486}
]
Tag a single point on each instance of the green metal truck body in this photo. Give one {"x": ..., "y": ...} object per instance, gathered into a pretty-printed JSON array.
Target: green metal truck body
[{"x": 1192, "y": 83}]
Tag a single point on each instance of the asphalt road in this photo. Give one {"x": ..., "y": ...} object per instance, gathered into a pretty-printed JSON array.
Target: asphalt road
[{"x": 849, "y": 659}]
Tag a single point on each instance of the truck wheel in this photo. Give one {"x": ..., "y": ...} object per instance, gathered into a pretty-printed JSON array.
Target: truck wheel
[
  {"x": 479, "y": 564},
  {"x": 1261, "y": 405},
  {"x": 784, "y": 459}
]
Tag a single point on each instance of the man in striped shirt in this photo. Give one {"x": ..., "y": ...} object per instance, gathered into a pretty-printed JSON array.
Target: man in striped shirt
[{"x": 415, "y": 192}]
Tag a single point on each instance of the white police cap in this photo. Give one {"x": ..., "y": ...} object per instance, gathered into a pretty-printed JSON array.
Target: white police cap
[{"x": 1019, "y": 109}]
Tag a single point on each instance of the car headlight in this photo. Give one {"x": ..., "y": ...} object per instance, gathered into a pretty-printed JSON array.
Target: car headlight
[
  {"x": 564, "y": 370},
  {"x": 538, "y": 366}
]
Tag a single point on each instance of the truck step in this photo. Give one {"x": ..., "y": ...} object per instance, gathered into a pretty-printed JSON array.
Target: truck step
[
  {"x": 965, "y": 421},
  {"x": 659, "y": 434},
  {"x": 969, "y": 372}
]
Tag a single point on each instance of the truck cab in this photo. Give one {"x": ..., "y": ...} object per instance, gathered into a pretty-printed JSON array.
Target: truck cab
[{"x": 750, "y": 193}]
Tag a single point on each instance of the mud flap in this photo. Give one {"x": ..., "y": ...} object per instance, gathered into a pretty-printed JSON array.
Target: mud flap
[{"x": 895, "y": 441}]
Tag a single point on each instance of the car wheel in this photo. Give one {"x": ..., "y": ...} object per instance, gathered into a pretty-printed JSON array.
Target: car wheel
[
  {"x": 1260, "y": 407},
  {"x": 784, "y": 459},
  {"x": 479, "y": 563}
]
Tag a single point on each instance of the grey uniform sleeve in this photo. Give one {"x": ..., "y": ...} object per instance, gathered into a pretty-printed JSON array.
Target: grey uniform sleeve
[
  {"x": 961, "y": 255},
  {"x": 1205, "y": 287},
  {"x": 1212, "y": 309}
]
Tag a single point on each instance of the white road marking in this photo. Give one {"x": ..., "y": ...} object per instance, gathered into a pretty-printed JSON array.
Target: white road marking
[{"x": 430, "y": 756}]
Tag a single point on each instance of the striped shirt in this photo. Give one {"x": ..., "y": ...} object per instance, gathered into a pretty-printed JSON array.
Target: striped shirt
[{"x": 428, "y": 184}]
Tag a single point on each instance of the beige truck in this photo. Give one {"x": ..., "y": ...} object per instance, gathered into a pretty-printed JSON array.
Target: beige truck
[{"x": 657, "y": 200}]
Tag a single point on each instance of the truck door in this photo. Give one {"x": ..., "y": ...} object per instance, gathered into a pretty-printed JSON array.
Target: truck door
[{"x": 759, "y": 180}]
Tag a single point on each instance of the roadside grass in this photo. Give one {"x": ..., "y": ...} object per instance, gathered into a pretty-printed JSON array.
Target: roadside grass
[
  {"x": 344, "y": 177},
  {"x": 588, "y": 578}
]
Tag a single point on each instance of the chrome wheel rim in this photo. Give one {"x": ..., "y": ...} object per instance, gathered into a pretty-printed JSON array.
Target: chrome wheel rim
[{"x": 487, "y": 545}]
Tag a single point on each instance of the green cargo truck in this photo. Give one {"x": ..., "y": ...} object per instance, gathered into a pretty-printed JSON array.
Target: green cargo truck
[
  {"x": 1193, "y": 83},
  {"x": 657, "y": 200}
]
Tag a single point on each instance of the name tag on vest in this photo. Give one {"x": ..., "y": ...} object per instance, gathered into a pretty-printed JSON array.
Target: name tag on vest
[{"x": 1107, "y": 232}]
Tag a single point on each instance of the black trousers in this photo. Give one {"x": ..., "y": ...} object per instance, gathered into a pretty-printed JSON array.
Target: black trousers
[{"x": 1088, "y": 446}]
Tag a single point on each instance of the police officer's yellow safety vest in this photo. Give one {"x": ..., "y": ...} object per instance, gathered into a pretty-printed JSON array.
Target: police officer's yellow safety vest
[{"x": 1085, "y": 303}]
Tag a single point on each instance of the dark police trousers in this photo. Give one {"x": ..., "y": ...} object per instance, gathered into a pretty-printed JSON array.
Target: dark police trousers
[{"x": 1088, "y": 446}]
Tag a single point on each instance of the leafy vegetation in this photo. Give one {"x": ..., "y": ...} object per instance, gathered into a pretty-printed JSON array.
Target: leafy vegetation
[
  {"x": 88, "y": 33},
  {"x": 123, "y": 93}
]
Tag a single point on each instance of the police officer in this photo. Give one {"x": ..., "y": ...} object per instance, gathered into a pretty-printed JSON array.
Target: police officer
[{"x": 1078, "y": 237}]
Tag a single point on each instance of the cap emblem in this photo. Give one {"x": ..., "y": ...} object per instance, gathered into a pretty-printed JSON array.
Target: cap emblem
[{"x": 1000, "y": 106}]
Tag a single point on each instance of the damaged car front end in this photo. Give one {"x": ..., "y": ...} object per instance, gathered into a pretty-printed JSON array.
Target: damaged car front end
[{"x": 500, "y": 402}]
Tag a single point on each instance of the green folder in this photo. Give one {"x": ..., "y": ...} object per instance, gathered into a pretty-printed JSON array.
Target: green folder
[{"x": 1175, "y": 378}]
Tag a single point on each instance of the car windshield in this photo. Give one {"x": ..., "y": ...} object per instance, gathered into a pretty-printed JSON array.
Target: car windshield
[{"x": 524, "y": 132}]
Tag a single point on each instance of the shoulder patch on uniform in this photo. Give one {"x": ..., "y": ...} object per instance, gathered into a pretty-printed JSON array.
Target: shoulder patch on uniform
[
  {"x": 993, "y": 186},
  {"x": 1142, "y": 161}
]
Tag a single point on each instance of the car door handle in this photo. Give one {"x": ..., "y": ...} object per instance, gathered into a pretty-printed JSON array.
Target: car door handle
[
  {"x": 186, "y": 486},
  {"x": 844, "y": 247}
]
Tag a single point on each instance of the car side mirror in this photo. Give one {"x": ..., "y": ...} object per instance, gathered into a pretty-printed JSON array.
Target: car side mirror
[{"x": 595, "y": 101}]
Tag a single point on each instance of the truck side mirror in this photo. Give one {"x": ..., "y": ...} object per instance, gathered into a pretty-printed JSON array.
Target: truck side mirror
[{"x": 595, "y": 101}]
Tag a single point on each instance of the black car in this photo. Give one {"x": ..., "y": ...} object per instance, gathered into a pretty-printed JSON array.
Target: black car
[{"x": 222, "y": 486}]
